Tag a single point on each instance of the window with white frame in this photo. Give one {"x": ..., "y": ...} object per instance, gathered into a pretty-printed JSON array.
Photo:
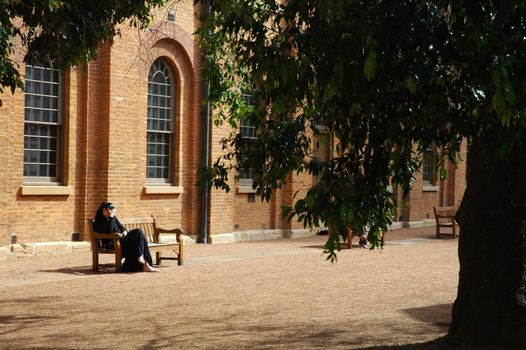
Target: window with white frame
[
  {"x": 247, "y": 130},
  {"x": 160, "y": 123},
  {"x": 428, "y": 165},
  {"x": 42, "y": 124}
]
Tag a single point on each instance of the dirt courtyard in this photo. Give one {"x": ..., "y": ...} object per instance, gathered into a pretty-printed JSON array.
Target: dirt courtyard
[{"x": 254, "y": 295}]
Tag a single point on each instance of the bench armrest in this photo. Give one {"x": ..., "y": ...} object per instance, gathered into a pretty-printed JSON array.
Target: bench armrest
[
  {"x": 440, "y": 216},
  {"x": 110, "y": 236},
  {"x": 445, "y": 219},
  {"x": 158, "y": 231},
  {"x": 96, "y": 235}
]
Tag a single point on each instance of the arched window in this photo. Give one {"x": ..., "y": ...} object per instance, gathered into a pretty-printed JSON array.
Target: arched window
[
  {"x": 160, "y": 123},
  {"x": 42, "y": 124}
]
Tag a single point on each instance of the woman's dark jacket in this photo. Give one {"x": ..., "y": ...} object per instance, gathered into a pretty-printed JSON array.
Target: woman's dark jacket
[
  {"x": 107, "y": 225},
  {"x": 102, "y": 224}
]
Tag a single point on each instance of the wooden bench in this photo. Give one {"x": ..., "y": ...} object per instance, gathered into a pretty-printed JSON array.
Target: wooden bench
[
  {"x": 445, "y": 219},
  {"x": 152, "y": 234}
]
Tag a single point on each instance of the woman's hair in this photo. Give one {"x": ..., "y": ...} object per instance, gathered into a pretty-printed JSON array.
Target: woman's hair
[{"x": 104, "y": 205}]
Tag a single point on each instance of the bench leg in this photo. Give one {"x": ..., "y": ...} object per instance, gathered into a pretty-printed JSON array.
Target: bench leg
[
  {"x": 95, "y": 259},
  {"x": 157, "y": 258},
  {"x": 180, "y": 255},
  {"x": 118, "y": 260}
]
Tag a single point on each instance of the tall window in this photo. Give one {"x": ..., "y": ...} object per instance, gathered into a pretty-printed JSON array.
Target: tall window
[
  {"x": 428, "y": 166},
  {"x": 159, "y": 123},
  {"x": 467, "y": 162},
  {"x": 247, "y": 130},
  {"x": 42, "y": 123}
]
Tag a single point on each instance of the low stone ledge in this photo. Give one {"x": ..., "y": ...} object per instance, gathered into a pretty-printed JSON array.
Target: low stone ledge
[
  {"x": 223, "y": 238},
  {"x": 5, "y": 253},
  {"x": 171, "y": 238},
  {"x": 429, "y": 222},
  {"x": 421, "y": 223},
  {"x": 260, "y": 235},
  {"x": 395, "y": 225},
  {"x": 42, "y": 248},
  {"x": 17, "y": 249},
  {"x": 302, "y": 233}
]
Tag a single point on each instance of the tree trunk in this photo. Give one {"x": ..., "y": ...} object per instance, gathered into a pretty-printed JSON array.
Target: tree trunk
[{"x": 491, "y": 300}]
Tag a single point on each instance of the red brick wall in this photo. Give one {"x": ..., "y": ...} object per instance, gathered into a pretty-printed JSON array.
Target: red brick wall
[
  {"x": 104, "y": 137},
  {"x": 104, "y": 151}
]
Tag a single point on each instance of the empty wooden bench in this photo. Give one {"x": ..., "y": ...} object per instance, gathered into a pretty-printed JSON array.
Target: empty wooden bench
[
  {"x": 445, "y": 220},
  {"x": 152, "y": 234}
]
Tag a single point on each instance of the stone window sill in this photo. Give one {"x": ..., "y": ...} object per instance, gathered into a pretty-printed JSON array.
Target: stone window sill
[
  {"x": 46, "y": 190},
  {"x": 245, "y": 188},
  {"x": 163, "y": 189},
  {"x": 430, "y": 188}
]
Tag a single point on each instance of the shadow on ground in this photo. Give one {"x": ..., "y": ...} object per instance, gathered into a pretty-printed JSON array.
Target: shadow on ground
[
  {"x": 83, "y": 270},
  {"x": 439, "y": 315},
  {"x": 437, "y": 344}
]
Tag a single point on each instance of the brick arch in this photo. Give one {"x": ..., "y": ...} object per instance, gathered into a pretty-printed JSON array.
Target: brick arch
[{"x": 170, "y": 31}]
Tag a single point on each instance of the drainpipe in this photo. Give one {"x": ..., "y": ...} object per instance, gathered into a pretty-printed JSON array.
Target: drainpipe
[{"x": 205, "y": 196}]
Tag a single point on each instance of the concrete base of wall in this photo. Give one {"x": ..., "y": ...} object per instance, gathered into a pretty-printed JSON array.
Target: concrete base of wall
[
  {"x": 187, "y": 239},
  {"x": 5, "y": 253},
  {"x": 421, "y": 223},
  {"x": 259, "y": 235},
  {"x": 43, "y": 248},
  {"x": 396, "y": 225}
]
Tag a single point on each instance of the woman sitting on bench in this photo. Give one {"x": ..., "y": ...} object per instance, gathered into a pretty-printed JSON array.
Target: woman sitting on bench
[{"x": 134, "y": 245}]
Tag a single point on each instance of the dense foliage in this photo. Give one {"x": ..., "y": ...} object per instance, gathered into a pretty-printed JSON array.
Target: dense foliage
[
  {"x": 61, "y": 32},
  {"x": 381, "y": 76}
]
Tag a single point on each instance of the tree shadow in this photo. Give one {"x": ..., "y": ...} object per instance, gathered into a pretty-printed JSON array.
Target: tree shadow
[
  {"x": 14, "y": 322},
  {"x": 343, "y": 246},
  {"x": 443, "y": 343},
  {"x": 438, "y": 315},
  {"x": 216, "y": 330},
  {"x": 437, "y": 344}
]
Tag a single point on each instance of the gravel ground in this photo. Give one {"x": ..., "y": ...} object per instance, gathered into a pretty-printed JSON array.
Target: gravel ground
[{"x": 252, "y": 295}]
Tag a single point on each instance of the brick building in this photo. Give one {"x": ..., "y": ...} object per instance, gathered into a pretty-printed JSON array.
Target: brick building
[{"x": 130, "y": 127}]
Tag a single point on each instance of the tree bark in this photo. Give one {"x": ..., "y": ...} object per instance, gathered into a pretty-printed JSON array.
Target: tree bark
[{"x": 490, "y": 307}]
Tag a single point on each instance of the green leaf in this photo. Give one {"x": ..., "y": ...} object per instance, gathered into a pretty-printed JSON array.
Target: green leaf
[
  {"x": 499, "y": 101},
  {"x": 442, "y": 173},
  {"x": 410, "y": 83},
  {"x": 506, "y": 117},
  {"x": 495, "y": 77},
  {"x": 369, "y": 68}
]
